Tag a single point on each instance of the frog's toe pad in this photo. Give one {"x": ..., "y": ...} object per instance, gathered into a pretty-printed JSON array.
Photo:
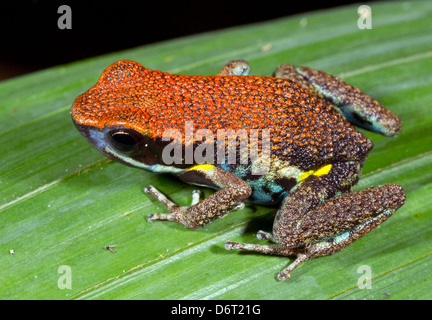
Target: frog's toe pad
[
  {"x": 283, "y": 276},
  {"x": 159, "y": 216},
  {"x": 175, "y": 216},
  {"x": 240, "y": 206},
  {"x": 262, "y": 235},
  {"x": 196, "y": 194},
  {"x": 229, "y": 245}
]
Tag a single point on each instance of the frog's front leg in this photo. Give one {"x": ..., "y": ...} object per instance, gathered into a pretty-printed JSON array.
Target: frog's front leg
[
  {"x": 315, "y": 220},
  {"x": 235, "y": 68},
  {"x": 231, "y": 196},
  {"x": 357, "y": 107}
]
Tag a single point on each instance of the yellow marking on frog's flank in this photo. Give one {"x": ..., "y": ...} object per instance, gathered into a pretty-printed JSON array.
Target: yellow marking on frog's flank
[
  {"x": 323, "y": 170},
  {"x": 201, "y": 167},
  {"x": 320, "y": 172}
]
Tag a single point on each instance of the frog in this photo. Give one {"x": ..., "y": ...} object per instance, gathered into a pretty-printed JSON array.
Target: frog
[{"x": 315, "y": 159}]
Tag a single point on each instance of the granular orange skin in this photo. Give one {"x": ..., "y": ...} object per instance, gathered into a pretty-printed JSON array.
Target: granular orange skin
[{"x": 305, "y": 130}]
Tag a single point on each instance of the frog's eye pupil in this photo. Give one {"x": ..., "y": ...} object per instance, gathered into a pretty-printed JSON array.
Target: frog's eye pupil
[{"x": 123, "y": 141}]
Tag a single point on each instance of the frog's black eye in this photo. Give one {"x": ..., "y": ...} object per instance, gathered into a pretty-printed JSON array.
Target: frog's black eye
[{"x": 125, "y": 140}]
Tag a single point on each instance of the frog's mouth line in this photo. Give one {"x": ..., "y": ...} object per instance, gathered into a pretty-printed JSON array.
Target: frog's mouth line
[
  {"x": 98, "y": 138},
  {"x": 108, "y": 151}
]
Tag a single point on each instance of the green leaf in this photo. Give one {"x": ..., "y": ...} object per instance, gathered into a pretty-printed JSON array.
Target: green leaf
[{"x": 62, "y": 202}]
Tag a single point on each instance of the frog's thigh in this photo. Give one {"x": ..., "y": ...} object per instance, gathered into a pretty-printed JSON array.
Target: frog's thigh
[
  {"x": 329, "y": 226},
  {"x": 313, "y": 191},
  {"x": 312, "y": 221},
  {"x": 314, "y": 211},
  {"x": 233, "y": 191},
  {"x": 235, "y": 68},
  {"x": 317, "y": 188}
]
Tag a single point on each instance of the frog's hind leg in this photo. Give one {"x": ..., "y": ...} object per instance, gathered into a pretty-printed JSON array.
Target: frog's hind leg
[
  {"x": 367, "y": 208},
  {"x": 321, "y": 217},
  {"x": 357, "y": 107}
]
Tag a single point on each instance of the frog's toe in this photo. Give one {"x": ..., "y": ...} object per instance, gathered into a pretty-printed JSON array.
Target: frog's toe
[
  {"x": 262, "y": 235},
  {"x": 176, "y": 214},
  {"x": 160, "y": 197},
  {"x": 240, "y": 206},
  {"x": 266, "y": 249},
  {"x": 196, "y": 194},
  {"x": 285, "y": 273},
  {"x": 160, "y": 216}
]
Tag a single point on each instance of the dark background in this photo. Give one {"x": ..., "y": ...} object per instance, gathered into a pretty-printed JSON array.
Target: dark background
[{"x": 31, "y": 40}]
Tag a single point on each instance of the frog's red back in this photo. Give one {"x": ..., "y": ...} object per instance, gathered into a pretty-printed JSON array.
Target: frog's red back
[{"x": 304, "y": 129}]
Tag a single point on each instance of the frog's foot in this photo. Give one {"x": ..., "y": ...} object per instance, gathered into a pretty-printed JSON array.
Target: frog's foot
[
  {"x": 230, "y": 197},
  {"x": 268, "y": 249},
  {"x": 357, "y": 107},
  {"x": 262, "y": 235},
  {"x": 174, "y": 209}
]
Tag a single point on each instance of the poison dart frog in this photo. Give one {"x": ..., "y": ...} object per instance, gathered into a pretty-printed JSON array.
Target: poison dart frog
[{"x": 315, "y": 153}]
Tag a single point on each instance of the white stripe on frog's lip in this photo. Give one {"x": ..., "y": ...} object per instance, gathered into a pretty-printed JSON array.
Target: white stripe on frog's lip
[
  {"x": 152, "y": 167},
  {"x": 97, "y": 138}
]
